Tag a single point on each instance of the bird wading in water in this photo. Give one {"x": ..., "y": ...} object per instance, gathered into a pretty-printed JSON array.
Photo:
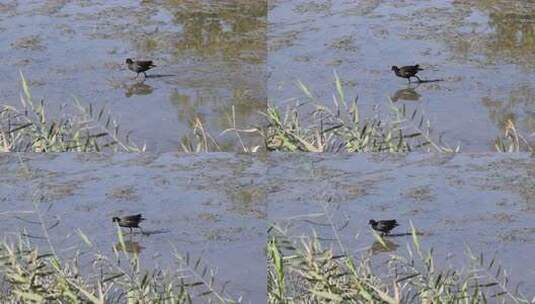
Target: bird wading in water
[
  {"x": 407, "y": 71},
  {"x": 384, "y": 227},
  {"x": 129, "y": 221},
  {"x": 139, "y": 66}
]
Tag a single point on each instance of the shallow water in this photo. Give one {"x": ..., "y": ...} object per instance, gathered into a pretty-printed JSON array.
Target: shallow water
[
  {"x": 189, "y": 206},
  {"x": 483, "y": 50},
  {"x": 215, "y": 54},
  {"x": 219, "y": 206},
  {"x": 210, "y": 55}
]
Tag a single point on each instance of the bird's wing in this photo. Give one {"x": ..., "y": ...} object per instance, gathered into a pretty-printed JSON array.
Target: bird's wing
[
  {"x": 146, "y": 64},
  {"x": 390, "y": 223},
  {"x": 133, "y": 218}
]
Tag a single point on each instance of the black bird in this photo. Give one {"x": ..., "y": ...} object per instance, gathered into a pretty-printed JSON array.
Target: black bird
[
  {"x": 139, "y": 66},
  {"x": 407, "y": 71},
  {"x": 384, "y": 227},
  {"x": 129, "y": 221}
]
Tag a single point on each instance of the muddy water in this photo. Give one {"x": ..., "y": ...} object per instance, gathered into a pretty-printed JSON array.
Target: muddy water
[
  {"x": 483, "y": 50},
  {"x": 210, "y": 55}
]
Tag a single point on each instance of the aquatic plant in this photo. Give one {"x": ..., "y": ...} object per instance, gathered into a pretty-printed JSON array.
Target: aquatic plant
[
  {"x": 337, "y": 128},
  {"x": 512, "y": 140},
  {"x": 32, "y": 271},
  {"x": 29, "y": 275},
  {"x": 342, "y": 128},
  {"x": 199, "y": 139},
  {"x": 302, "y": 271},
  {"x": 30, "y": 128},
  {"x": 311, "y": 126}
]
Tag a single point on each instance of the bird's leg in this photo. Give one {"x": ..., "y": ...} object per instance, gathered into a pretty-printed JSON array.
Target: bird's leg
[
  {"x": 130, "y": 229},
  {"x": 409, "y": 79},
  {"x": 419, "y": 80},
  {"x": 417, "y": 85}
]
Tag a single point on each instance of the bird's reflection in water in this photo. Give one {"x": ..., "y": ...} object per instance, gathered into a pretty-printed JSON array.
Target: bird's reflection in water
[
  {"x": 129, "y": 246},
  {"x": 388, "y": 246},
  {"x": 408, "y": 94},
  {"x": 138, "y": 88}
]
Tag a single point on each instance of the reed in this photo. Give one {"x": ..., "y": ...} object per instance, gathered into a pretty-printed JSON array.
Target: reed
[
  {"x": 30, "y": 128},
  {"x": 315, "y": 126},
  {"x": 30, "y": 275},
  {"x": 301, "y": 270},
  {"x": 342, "y": 127},
  {"x": 512, "y": 140}
]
